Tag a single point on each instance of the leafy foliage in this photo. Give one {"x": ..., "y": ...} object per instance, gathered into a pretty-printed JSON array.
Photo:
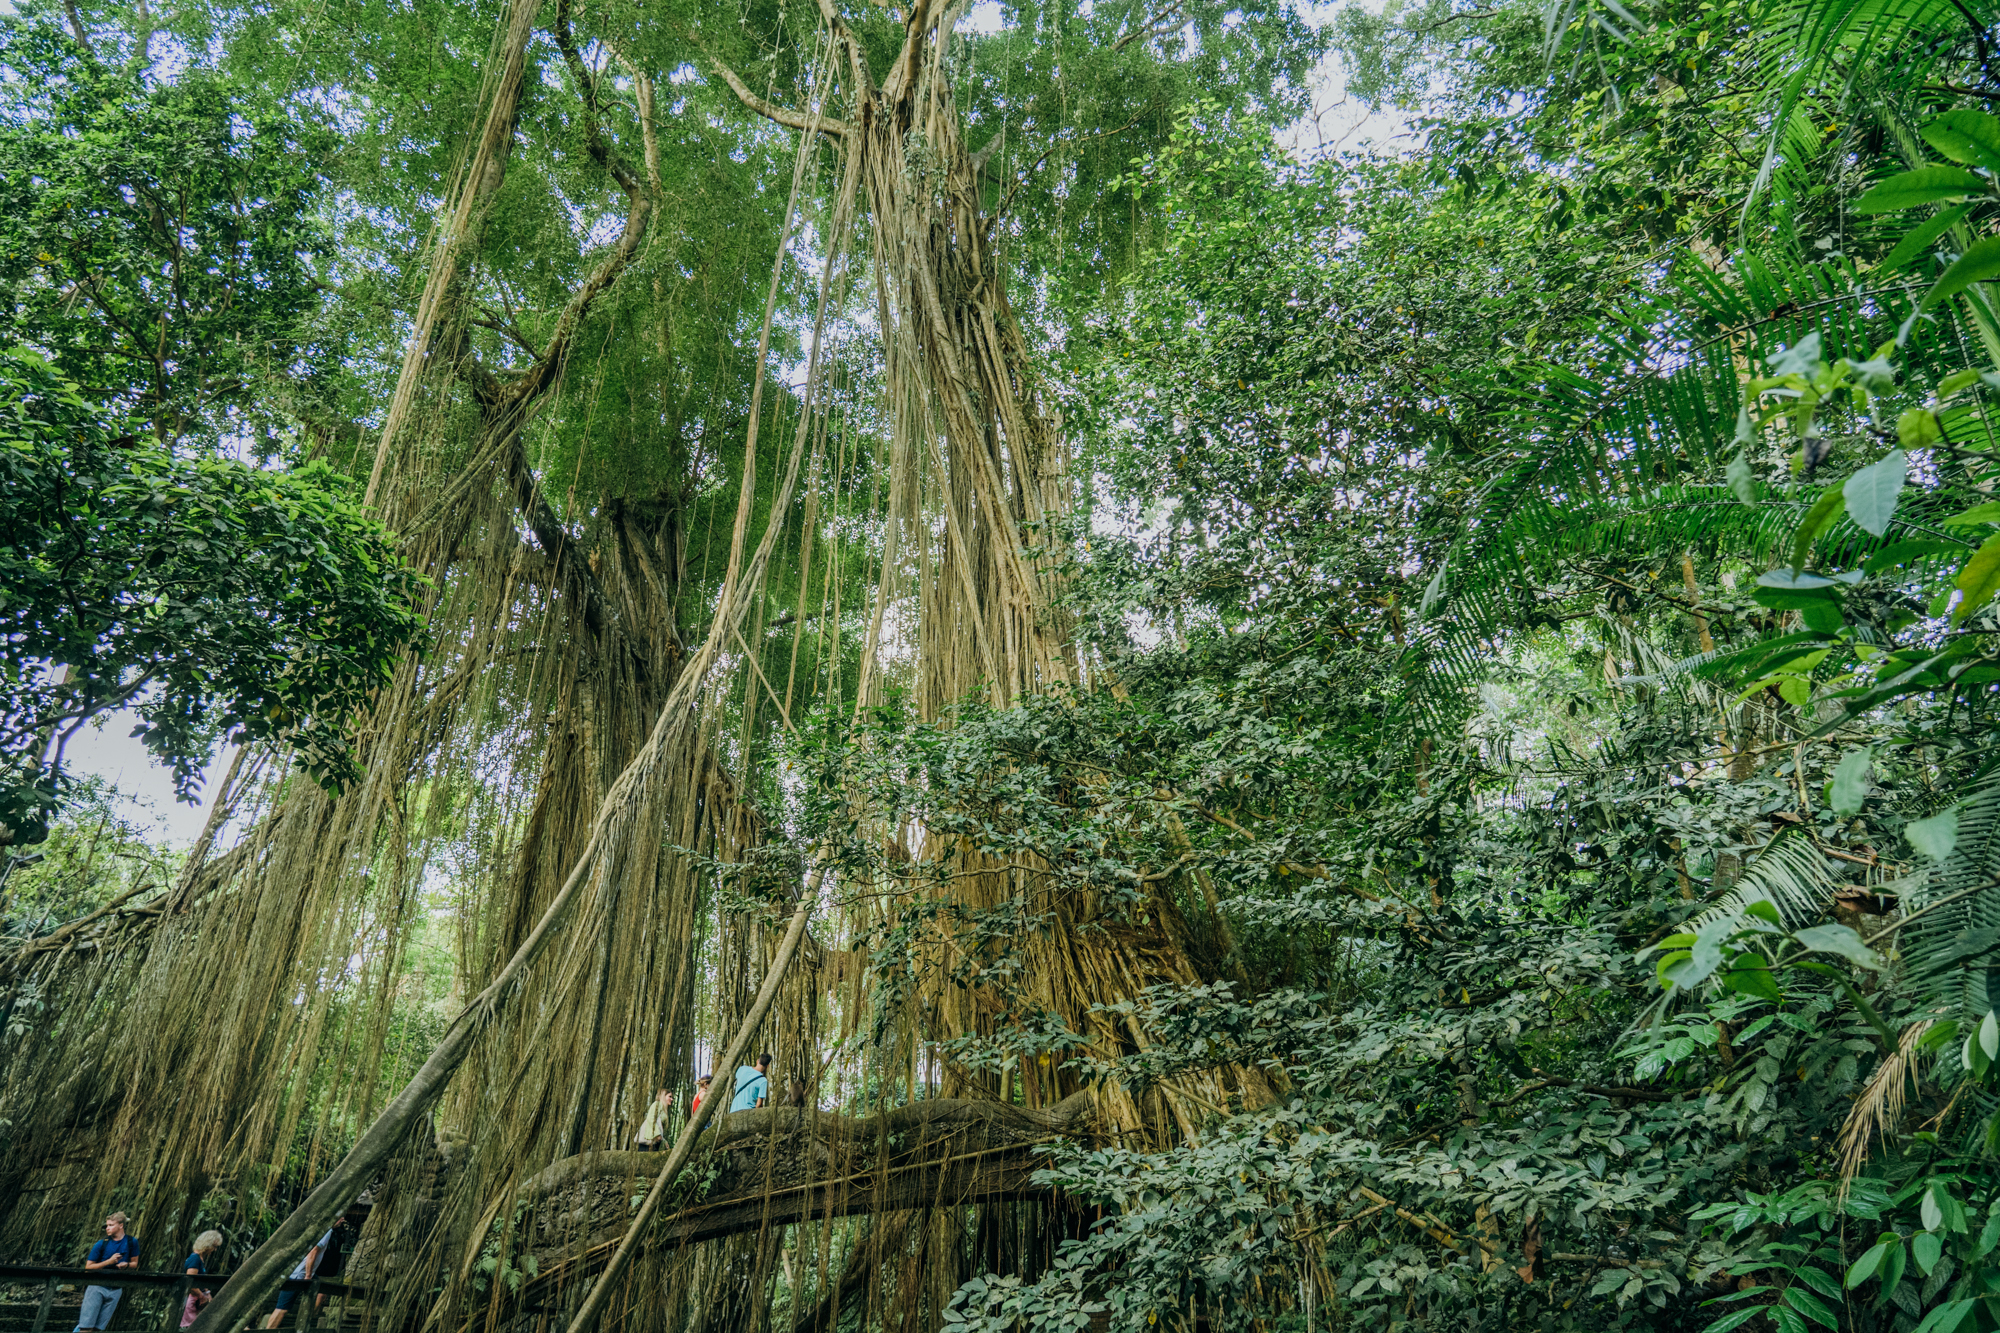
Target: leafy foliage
[
  {"x": 159, "y": 238},
  {"x": 211, "y": 597}
]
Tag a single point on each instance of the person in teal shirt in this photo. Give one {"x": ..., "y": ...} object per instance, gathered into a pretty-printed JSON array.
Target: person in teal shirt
[{"x": 753, "y": 1087}]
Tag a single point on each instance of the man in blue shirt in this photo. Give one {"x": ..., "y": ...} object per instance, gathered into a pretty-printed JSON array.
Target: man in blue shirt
[
  {"x": 322, "y": 1261},
  {"x": 116, "y": 1251},
  {"x": 753, "y": 1088}
]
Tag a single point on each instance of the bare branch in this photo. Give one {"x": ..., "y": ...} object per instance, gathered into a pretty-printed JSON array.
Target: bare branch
[
  {"x": 980, "y": 158},
  {"x": 1169, "y": 20},
  {"x": 76, "y": 28},
  {"x": 798, "y": 120},
  {"x": 600, "y": 148},
  {"x": 507, "y": 329}
]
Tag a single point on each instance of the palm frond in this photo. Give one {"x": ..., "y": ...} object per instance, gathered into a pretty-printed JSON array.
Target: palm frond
[
  {"x": 1789, "y": 873},
  {"x": 1628, "y": 460},
  {"x": 1815, "y": 49},
  {"x": 1951, "y": 950}
]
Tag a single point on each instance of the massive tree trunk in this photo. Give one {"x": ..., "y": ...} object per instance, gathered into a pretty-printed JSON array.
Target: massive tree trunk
[{"x": 779, "y": 1166}]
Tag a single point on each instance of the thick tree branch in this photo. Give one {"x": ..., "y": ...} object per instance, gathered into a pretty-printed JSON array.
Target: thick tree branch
[
  {"x": 771, "y": 111},
  {"x": 556, "y": 543},
  {"x": 76, "y": 28}
]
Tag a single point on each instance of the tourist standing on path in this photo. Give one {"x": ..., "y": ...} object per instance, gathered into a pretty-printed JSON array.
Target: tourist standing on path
[
  {"x": 206, "y": 1246},
  {"x": 653, "y": 1130},
  {"x": 322, "y": 1261},
  {"x": 701, "y": 1086},
  {"x": 753, "y": 1088},
  {"x": 117, "y": 1250}
]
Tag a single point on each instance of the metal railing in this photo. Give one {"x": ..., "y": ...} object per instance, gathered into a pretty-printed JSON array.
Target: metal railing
[{"x": 179, "y": 1283}]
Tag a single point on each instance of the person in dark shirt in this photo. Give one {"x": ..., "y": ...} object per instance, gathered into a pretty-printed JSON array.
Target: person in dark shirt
[
  {"x": 206, "y": 1246},
  {"x": 116, "y": 1251}
]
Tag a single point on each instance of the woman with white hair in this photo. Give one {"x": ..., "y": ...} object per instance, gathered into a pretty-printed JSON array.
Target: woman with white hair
[{"x": 206, "y": 1246}]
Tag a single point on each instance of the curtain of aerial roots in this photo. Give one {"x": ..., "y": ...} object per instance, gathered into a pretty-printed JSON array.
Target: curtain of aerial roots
[
  {"x": 263, "y": 979},
  {"x": 993, "y": 465},
  {"x": 611, "y": 1014},
  {"x": 976, "y": 475},
  {"x": 247, "y": 1021},
  {"x": 260, "y": 992}
]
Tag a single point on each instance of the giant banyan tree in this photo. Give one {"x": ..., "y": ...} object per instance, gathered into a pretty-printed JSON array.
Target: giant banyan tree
[{"x": 765, "y": 454}]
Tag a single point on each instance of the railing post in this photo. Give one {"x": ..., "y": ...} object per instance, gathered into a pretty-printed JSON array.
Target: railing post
[
  {"x": 48, "y": 1299},
  {"x": 309, "y": 1319},
  {"x": 179, "y": 1303}
]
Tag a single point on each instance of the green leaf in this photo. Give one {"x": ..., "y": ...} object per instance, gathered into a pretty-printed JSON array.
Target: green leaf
[
  {"x": 1892, "y": 1267},
  {"x": 1946, "y": 1318},
  {"x": 1811, "y": 1306},
  {"x": 1973, "y": 517},
  {"x": 1876, "y": 375},
  {"x": 1907, "y": 553},
  {"x": 1980, "y": 261},
  {"x": 1696, "y": 965},
  {"x": 1974, "y": 1056},
  {"x": 1742, "y": 481},
  {"x": 1799, "y": 359},
  {"x": 1925, "y": 185},
  {"x": 1989, "y": 1236},
  {"x": 1918, "y": 242},
  {"x": 1952, "y": 1209},
  {"x": 1788, "y": 1321},
  {"x": 1989, "y": 1035},
  {"x": 1734, "y": 1319},
  {"x": 1967, "y": 136},
  {"x": 1788, "y": 579},
  {"x": 1819, "y": 1280},
  {"x": 1871, "y": 494},
  {"x": 1841, "y": 940},
  {"x": 1933, "y": 837},
  {"x": 1749, "y": 974},
  {"x": 1925, "y": 1250},
  {"x": 1937, "y": 1036},
  {"x": 1957, "y": 382},
  {"x": 1795, "y": 690},
  {"x": 1867, "y": 1265},
  {"x": 1918, "y": 428},
  {"x": 1931, "y": 1213},
  {"x": 1850, "y": 782},
  {"x": 1979, "y": 580},
  {"x": 1821, "y": 516}
]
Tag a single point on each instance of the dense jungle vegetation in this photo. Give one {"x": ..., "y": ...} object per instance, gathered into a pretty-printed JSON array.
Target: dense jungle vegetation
[{"x": 1526, "y": 763}]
